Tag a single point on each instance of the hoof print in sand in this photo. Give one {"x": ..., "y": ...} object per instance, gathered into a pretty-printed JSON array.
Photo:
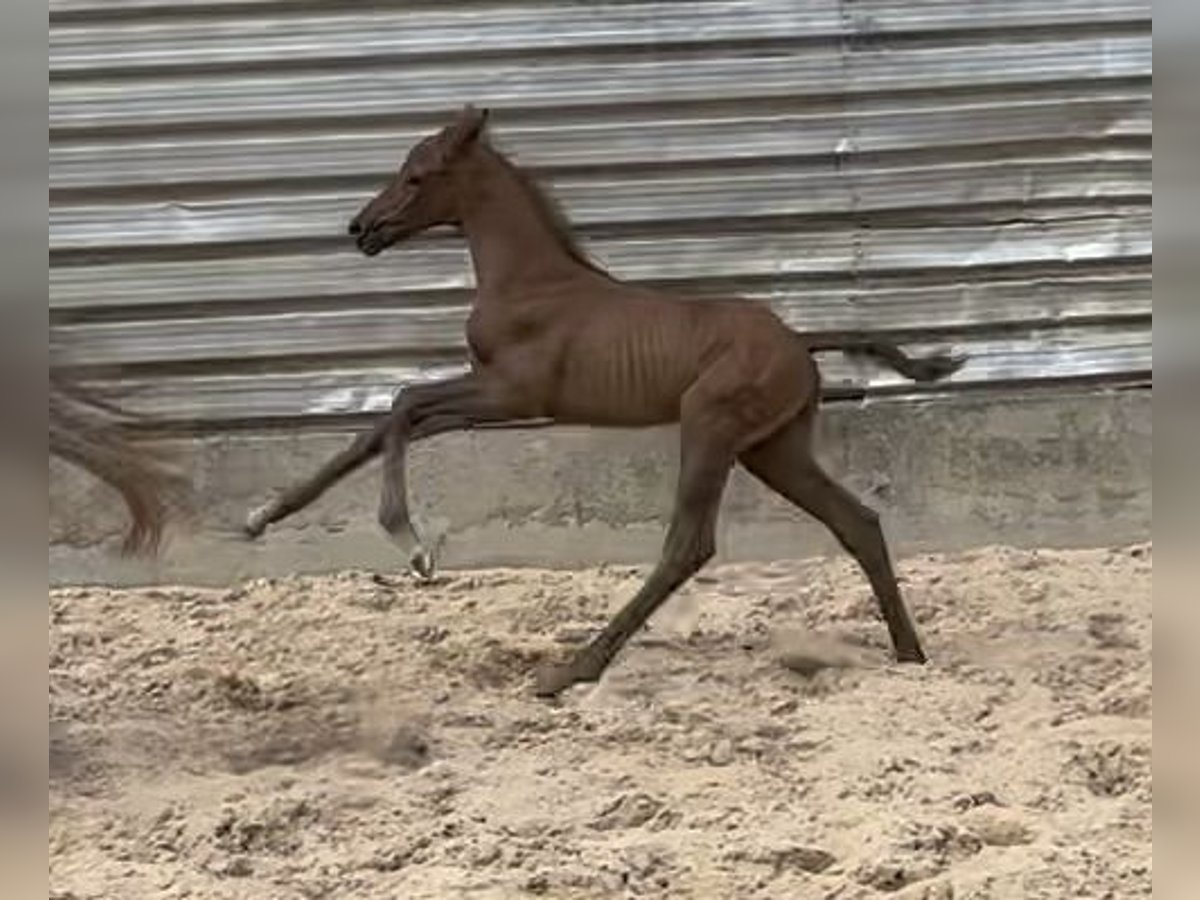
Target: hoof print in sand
[{"x": 628, "y": 811}]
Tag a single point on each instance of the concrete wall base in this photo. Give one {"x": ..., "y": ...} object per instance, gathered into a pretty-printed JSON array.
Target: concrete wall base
[{"x": 1056, "y": 469}]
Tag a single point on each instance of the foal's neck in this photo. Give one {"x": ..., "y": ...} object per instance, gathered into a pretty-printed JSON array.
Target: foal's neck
[{"x": 513, "y": 242}]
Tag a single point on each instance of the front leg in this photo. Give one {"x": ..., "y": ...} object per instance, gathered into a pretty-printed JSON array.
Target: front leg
[
  {"x": 424, "y": 411},
  {"x": 301, "y": 494},
  {"x": 394, "y": 515}
]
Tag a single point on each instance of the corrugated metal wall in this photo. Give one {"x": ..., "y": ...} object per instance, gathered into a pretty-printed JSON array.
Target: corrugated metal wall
[{"x": 968, "y": 173}]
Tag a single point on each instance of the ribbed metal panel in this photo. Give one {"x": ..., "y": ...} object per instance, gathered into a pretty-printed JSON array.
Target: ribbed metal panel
[{"x": 968, "y": 174}]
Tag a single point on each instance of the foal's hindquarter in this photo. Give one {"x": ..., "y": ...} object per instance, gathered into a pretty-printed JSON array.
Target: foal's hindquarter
[{"x": 555, "y": 340}]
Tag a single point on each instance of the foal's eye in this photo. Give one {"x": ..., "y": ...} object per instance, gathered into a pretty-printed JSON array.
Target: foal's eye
[{"x": 414, "y": 180}]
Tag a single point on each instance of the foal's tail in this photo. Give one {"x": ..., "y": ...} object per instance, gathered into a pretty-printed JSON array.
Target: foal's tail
[{"x": 934, "y": 367}]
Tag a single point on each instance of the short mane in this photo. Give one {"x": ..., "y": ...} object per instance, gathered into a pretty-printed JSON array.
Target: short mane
[{"x": 551, "y": 214}]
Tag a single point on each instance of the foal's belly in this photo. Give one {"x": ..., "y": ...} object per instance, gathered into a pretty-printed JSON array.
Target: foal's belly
[
  {"x": 600, "y": 412},
  {"x": 606, "y": 396}
]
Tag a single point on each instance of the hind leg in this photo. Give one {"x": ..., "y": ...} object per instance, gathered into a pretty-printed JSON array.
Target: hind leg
[
  {"x": 784, "y": 462},
  {"x": 690, "y": 543}
]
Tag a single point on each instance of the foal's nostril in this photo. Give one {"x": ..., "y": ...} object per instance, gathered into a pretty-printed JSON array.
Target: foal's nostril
[{"x": 355, "y": 228}]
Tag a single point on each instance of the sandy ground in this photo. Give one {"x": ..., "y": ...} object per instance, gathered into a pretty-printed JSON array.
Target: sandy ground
[{"x": 361, "y": 736}]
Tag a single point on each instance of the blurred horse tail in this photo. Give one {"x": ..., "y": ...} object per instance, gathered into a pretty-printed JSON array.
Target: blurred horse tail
[{"x": 99, "y": 436}]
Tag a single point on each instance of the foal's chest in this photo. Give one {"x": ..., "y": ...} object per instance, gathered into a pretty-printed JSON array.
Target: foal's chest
[
  {"x": 515, "y": 352},
  {"x": 481, "y": 342},
  {"x": 492, "y": 334}
]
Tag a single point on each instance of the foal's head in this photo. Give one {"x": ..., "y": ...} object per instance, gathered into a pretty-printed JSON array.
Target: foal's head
[{"x": 422, "y": 193}]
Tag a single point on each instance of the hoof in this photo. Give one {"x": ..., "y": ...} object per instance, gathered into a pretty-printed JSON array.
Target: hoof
[
  {"x": 550, "y": 681},
  {"x": 423, "y": 561},
  {"x": 256, "y": 523},
  {"x": 423, "y": 564},
  {"x": 911, "y": 656}
]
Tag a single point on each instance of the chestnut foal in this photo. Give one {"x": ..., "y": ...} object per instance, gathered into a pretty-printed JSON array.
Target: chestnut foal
[{"x": 554, "y": 339}]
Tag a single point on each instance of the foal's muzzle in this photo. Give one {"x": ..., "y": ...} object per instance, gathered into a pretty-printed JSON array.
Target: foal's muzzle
[{"x": 369, "y": 240}]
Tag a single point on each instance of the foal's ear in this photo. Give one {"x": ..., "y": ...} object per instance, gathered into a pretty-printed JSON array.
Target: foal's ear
[{"x": 467, "y": 127}]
